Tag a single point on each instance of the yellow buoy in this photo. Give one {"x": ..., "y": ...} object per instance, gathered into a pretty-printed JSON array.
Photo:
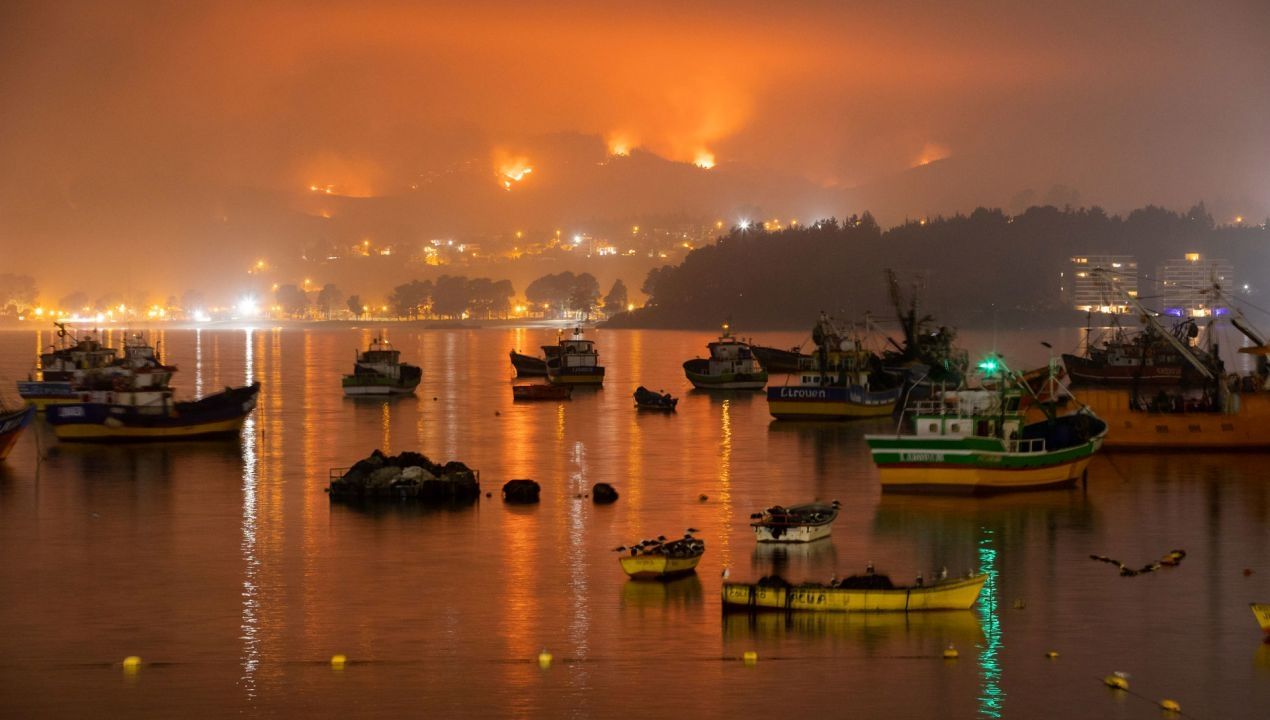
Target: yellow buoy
[
  {"x": 338, "y": 662},
  {"x": 1170, "y": 705},
  {"x": 750, "y": 657},
  {"x": 950, "y": 653},
  {"x": 544, "y": 659},
  {"x": 131, "y": 664},
  {"x": 1117, "y": 681},
  {"x": 1052, "y": 654}
]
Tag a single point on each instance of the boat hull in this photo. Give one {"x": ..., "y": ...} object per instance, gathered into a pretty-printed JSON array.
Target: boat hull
[
  {"x": 948, "y": 595},
  {"x": 528, "y": 365},
  {"x": 830, "y": 403},
  {"x": 658, "y": 567},
  {"x": 795, "y": 534},
  {"x": 364, "y": 390},
  {"x": 41, "y": 394},
  {"x": 217, "y": 415},
  {"x": 727, "y": 381},
  {"x": 11, "y": 426},
  {"x": 1084, "y": 370},
  {"x": 541, "y": 392},
  {"x": 934, "y": 477},
  {"x": 576, "y": 376},
  {"x": 1246, "y": 427},
  {"x": 780, "y": 361}
]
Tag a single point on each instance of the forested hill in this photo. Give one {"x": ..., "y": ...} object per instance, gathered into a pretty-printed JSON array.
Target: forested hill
[{"x": 970, "y": 270}]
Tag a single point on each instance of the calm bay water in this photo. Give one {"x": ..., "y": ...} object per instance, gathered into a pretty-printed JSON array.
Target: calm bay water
[{"x": 225, "y": 567}]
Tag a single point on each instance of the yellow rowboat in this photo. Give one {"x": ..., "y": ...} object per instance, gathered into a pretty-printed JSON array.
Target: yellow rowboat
[
  {"x": 1261, "y": 611},
  {"x": 660, "y": 560},
  {"x": 943, "y": 595}
]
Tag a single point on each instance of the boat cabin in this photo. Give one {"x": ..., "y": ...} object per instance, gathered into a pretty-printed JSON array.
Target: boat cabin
[{"x": 973, "y": 413}]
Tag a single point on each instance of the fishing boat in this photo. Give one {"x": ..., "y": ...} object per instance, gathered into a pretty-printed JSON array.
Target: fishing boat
[
  {"x": 661, "y": 559},
  {"x": 1216, "y": 411},
  {"x": 541, "y": 392},
  {"x": 1261, "y": 611},
  {"x": 1145, "y": 358},
  {"x": 574, "y": 361},
  {"x": 796, "y": 523},
  {"x": 780, "y": 360},
  {"x": 528, "y": 365},
  {"x": 379, "y": 371},
  {"x": 843, "y": 381},
  {"x": 646, "y": 399},
  {"x": 977, "y": 441},
  {"x": 80, "y": 368},
  {"x": 12, "y": 423},
  {"x": 731, "y": 366},
  {"x": 152, "y": 415},
  {"x": 858, "y": 593}
]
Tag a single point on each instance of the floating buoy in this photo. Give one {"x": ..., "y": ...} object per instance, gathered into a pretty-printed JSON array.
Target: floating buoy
[
  {"x": 544, "y": 659},
  {"x": 1117, "y": 681},
  {"x": 1052, "y": 654},
  {"x": 489, "y": 494},
  {"x": 338, "y": 662},
  {"x": 950, "y": 653},
  {"x": 497, "y": 413},
  {"x": 702, "y": 498},
  {"x": 1170, "y": 705},
  {"x": 131, "y": 664},
  {"x": 1247, "y": 571},
  {"x": 750, "y": 657}
]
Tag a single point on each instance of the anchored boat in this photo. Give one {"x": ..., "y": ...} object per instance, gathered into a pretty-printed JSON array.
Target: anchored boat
[
  {"x": 780, "y": 360},
  {"x": 978, "y": 441},
  {"x": 151, "y": 415},
  {"x": 843, "y": 381},
  {"x": 796, "y": 523},
  {"x": 12, "y": 423},
  {"x": 574, "y": 361},
  {"x": 1216, "y": 411},
  {"x": 80, "y": 368},
  {"x": 661, "y": 559},
  {"x": 731, "y": 366},
  {"x": 858, "y": 593},
  {"x": 646, "y": 399},
  {"x": 1145, "y": 358},
  {"x": 379, "y": 371},
  {"x": 527, "y": 365}
]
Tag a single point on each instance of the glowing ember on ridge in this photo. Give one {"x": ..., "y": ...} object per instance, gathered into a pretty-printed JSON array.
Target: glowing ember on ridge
[{"x": 704, "y": 159}]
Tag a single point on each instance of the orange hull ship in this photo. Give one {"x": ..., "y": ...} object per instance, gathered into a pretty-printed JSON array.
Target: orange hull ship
[{"x": 1243, "y": 425}]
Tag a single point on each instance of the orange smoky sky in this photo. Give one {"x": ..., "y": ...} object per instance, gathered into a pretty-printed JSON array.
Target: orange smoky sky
[{"x": 125, "y": 119}]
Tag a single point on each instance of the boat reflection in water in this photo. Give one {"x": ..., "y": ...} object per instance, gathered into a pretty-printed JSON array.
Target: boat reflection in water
[
  {"x": 881, "y": 632},
  {"x": 801, "y": 560},
  {"x": 681, "y": 592}
]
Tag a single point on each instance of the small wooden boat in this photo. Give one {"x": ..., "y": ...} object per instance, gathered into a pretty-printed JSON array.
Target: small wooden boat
[
  {"x": 542, "y": 392},
  {"x": 141, "y": 416},
  {"x": 1261, "y": 611},
  {"x": 858, "y": 593},
  {"x": 796, "y": 523},
  {"x": 11, "y": 426},
  {"x": 661, "y": 559},
  {"x": 379, "y": 371},
  {"x": 528, "y": 365},
  {"x": 646, "y": 399}
]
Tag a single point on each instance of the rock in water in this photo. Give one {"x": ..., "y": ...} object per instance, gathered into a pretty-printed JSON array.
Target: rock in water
[
  {"x": 408, "y": 476},
  {"x": 603, "y": 494},
  {"x": 521, "y": 492},
  {"x": 383, "y": 477}
]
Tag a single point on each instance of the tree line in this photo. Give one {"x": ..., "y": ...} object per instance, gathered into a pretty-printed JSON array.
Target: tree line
[{"x": 972, "y": 269}]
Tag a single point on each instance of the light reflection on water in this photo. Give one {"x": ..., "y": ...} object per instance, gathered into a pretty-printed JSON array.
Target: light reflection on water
[
  {"x": 226, "y": 563},
  {"x": 991, "y": 697}
]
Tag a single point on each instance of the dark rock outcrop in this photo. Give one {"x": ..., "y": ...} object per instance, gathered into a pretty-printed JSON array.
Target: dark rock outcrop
[
  {"x": 408, "y": 476},
  {"x": 521, "y": 492},
  {"x": 603, "y": 494}
]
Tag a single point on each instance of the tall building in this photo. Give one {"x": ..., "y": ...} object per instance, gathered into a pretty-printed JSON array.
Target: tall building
[
  {"x": 1184, "y": 283},
  {"x": 1088, "y": 292}
]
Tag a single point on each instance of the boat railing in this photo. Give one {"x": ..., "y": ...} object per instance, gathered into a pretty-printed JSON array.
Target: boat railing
[{"x": 1027, "y": 445}]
